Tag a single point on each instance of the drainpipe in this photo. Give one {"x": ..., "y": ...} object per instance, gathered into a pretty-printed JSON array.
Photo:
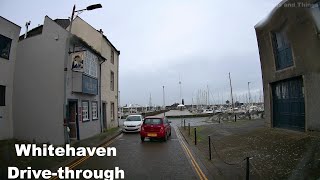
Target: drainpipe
[
  {"x": 100, "y": 103},
  {"x": 100, "y": 78}
]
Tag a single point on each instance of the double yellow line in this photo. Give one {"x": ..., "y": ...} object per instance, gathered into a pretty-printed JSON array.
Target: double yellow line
[
  {"x": 81, "y": 160},
  {"x": 194, "y": 163}
]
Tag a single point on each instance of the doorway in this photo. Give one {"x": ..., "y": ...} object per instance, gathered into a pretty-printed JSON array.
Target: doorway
[
  {"x": 73, "y": 120},
  {"x": 288, "y": 104}
]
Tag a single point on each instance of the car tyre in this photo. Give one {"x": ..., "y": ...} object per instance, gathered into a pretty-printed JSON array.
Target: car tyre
[
  {"x": 142, "y": 139},
  {"x": 165, "y": 138},
  {"x": 170, "y": 133}
]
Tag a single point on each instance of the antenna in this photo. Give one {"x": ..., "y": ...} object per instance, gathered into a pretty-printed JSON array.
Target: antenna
[{"x": 27, "y": 26}]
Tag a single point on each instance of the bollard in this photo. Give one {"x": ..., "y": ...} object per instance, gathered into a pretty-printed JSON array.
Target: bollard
[
  {"x": 184, "y": 123},
  {"x": 209, "y": 139},
  {"x": 235, "y": 118},
  {"x": 195, "y": 136},
  {"x": 247, "y": 170},
  {"x": 189, "y": 128}
]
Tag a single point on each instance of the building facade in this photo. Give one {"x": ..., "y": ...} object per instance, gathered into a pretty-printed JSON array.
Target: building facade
[
  {"x": 289, "y": 48},
  {"x": 39, "y": 86},
  {"x": 109, "y": 70},
  {"x": 9, "y": 35}
]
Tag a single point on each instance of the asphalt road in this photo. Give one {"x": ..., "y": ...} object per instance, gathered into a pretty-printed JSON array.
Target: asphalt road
[{"x": 148, "y": 160}]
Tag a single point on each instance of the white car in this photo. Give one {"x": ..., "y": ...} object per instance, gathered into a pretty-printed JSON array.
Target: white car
[{"x": 132, "y": 123}]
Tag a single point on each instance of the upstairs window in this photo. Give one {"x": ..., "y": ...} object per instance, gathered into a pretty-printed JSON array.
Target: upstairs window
[
  {"x": 91, "y": 64},
  {"x": 282, "y": 50},
  {"x": 112, "y": 57},
  {"x": 2, "y": 95},
  {"x": 112, "y": 81},
  {"x": 5, "y": 46}
]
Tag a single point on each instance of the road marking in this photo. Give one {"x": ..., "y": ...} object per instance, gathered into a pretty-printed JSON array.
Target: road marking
[
  {"x": 194, "y": 163},
  {"x": 79, "y": 161}
]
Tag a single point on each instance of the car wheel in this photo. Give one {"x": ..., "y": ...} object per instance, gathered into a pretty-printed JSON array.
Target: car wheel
[
  {"x": 165, "y": 138},
  {"x": 142, "y": 139},
  {"x": 170, "y": 133}
]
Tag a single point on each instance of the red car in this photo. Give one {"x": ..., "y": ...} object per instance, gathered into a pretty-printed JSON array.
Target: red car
[{"x": 155, "y": 127}]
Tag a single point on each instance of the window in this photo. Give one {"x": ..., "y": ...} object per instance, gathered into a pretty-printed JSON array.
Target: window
[
  {"x": 94, "y": 109},
  {"x": 112, "y": 81},
  {"x": 85, "y": 111},
  {"x": 91, "y": 64},
  {"x": 5, "y": 46},
  {"x": 2, "y": 95},
  {"x": 112, "y": 111},
  {"x": 153, "y": 121},
  {"x": 112, "y": 56},
  {"x": 282, "y": 50}
]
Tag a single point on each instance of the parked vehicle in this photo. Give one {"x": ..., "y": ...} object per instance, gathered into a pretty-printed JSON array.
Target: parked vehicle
[
  {"x": 132, "y": 123},
  {"x": 155, "y": 127},
  {"x": 207, "y": 111}
]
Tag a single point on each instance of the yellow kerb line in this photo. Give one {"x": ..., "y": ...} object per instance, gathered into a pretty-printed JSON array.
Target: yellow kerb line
[
  {"x": 193, "y": 161},
  {"x": 83, "y": 159}
]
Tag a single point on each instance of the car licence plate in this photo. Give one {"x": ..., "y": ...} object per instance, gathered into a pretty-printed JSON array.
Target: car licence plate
[{"x": 152, "y": 134}]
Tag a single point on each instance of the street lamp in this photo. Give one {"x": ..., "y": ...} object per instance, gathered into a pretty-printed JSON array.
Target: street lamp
[
  {"x": 89, "y": 8},
  {"x": 164, "y": 104},
  {"x": 249, "y": 96}
]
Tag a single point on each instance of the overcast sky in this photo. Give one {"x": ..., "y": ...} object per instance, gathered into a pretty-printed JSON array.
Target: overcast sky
[{"x": 200, "y": 41}]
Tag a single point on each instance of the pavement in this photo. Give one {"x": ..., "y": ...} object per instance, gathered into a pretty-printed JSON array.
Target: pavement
[{"x": 276, "y": 153}]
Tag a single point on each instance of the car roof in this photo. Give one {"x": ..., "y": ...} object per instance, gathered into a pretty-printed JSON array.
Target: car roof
[
  {"x": 135, "y": 115},
  {"x": 154, "y": 117}
]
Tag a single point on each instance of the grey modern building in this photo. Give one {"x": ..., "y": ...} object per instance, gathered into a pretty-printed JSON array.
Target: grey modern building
[
  {"x": 39, "y": 85},
  {"x": 9, "y": 35},
  {"x": 289, "y": 48}
]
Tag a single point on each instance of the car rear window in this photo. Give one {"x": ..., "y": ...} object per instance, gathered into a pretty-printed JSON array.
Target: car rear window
[{"x": 153, "y": 121}]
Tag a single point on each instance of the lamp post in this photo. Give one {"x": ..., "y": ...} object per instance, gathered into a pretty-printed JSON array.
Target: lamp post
[
  {"x": 164, "y": 104},
  {"x": 249, "y": 95},
  {"x": 89, "y": 8}
]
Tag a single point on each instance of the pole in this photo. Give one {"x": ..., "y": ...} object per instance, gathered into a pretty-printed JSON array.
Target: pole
[
  {"x": 195, "y": 136},
  {"x": 189, "y": 128},
  {"x": 235, "y": 119},
  {"x": 247, "y": 169},
  {"x": 209, "y": 139},
  {"x": 119, "y": 107},
  {"x": 249, "y": 93},
  {"x": 184, "y": 123},
  {"x": 66, "y": 58},
  {"x": 164, "y": 104}
]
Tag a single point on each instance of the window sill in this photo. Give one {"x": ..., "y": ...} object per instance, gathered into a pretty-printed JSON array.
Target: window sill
[
  {"x": 85, "y": 120},
  {"x": 95, "y": 119}
]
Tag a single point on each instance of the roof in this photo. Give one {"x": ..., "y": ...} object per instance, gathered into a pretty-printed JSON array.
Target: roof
[
  {"x": 267, "y": 19},
  {"x": 10, "y": 21},
  {"x": 105, "y": 37},
  {"x": 134, "y": 115},
  {"x": 64, "y": 23}
]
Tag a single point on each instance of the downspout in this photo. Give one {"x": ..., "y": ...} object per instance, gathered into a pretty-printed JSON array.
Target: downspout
[
  {"x": 100, "y": 102},
  {"x": 100, "y": 79}
]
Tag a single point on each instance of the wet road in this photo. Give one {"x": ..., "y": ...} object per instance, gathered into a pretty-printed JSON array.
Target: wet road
[{"x": 148, "y": 160}]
